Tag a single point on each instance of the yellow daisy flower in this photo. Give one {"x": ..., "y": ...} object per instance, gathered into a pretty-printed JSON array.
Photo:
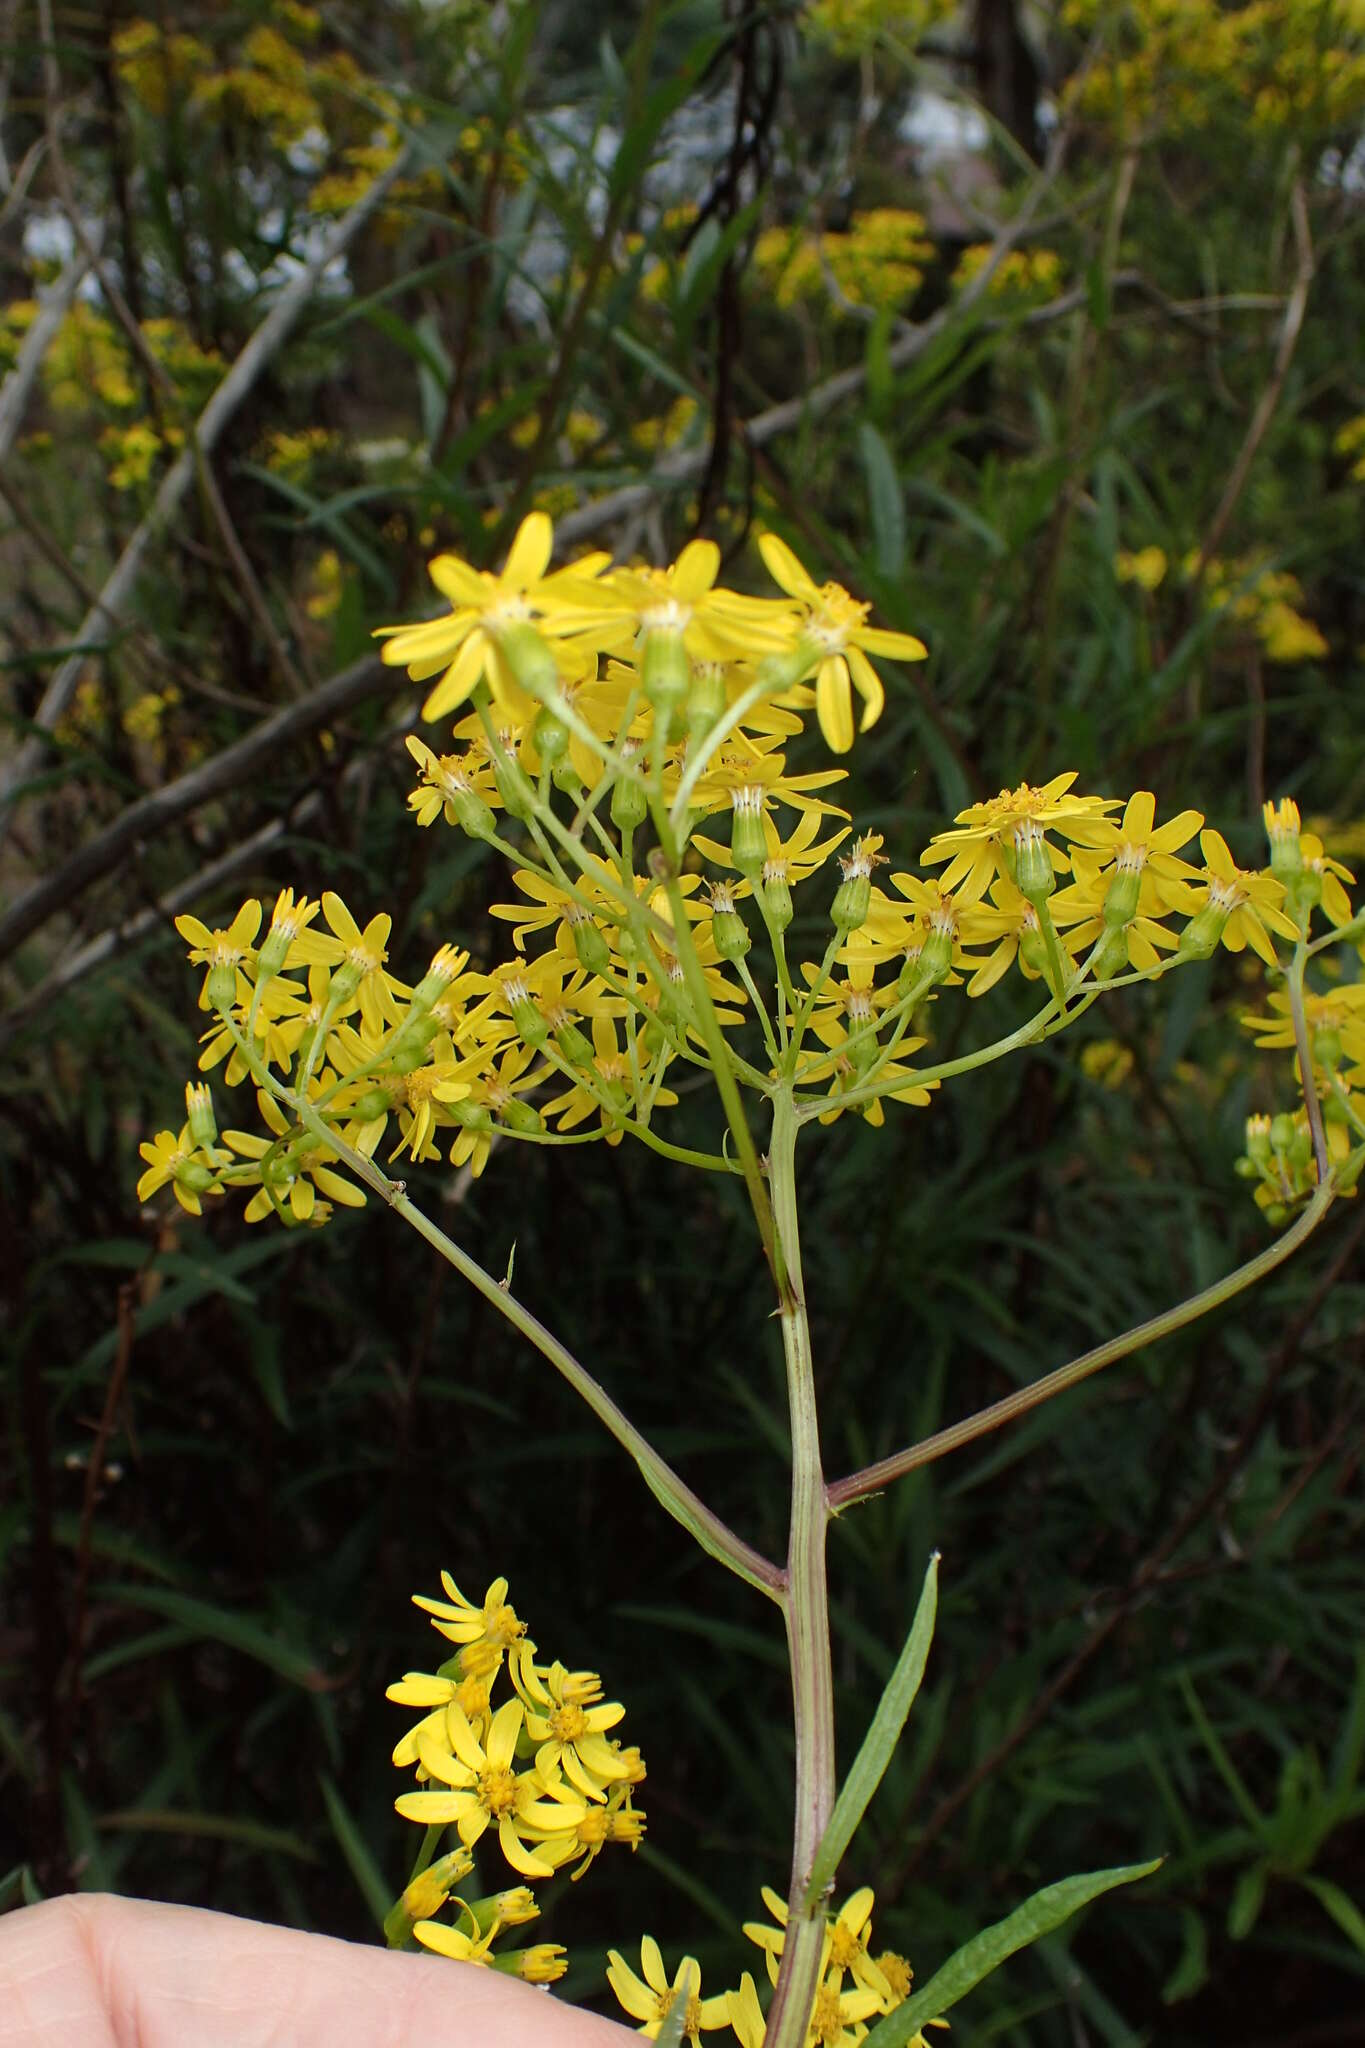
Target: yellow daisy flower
[
  {"x": 360, "y": 970},
  {"x": 682, "y": 602},
  {"x": 291, "y": 1174},
  {"x": 483, "y": 1791},
  {"x": 1083, "y": 911},
  {"x": 616, "y": 1821},
  {"x": 465, "y": 647},
  {"x": 650, "y": 1996},
  {"x": 987, "y": 838},
  {"x": 834, "y": 624},
  {"x": 1237, "y": 909},
  {"x": 180, "y": 1161},
  {"x": 570, "y": 1739},
  {"x": 221, "y": 951}
]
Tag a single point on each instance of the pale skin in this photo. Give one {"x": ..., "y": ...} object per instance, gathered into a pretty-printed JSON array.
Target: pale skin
[{"x": 95, "y": 1972}]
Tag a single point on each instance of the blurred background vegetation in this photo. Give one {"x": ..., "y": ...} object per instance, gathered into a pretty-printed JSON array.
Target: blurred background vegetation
[{"x": 1039, "y": 328}]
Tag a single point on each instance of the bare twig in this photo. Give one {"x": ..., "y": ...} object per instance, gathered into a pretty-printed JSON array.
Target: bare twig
[
  {"x": 235, "y": 765},
  {"x": 75, "y": 965}
]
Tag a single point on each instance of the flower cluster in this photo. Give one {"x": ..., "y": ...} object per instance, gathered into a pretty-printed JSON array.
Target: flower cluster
[
  {"x": 855, "y": 1987},
  {"x": 620, "y": 736},
  {"x": 539, "y": 1769}
]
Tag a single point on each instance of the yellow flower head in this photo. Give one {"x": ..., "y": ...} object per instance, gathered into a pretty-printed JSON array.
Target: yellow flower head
[
  {"x": 832, "y": 625},
  {"x": 467, "y": 646}
]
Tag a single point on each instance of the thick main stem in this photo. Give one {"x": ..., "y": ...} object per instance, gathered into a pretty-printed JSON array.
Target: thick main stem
[{"x": 806, "y": 1606}]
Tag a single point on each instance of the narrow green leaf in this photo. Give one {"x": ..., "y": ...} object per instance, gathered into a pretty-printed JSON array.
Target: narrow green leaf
[
  {"x": 217, "y": 1624},
  {"x": 378, "y": 1896},
  {"x": 984, "y": 1953},
  {"x": 879, "y": 1742},
  {"x": 1247, "y": 1900},
  {"x": 1222, "y": 1762},
  {"x": 19, "y": 1887},
  {"x": 885, "y": 499},
  {"x": 877, "y": 362},
  {"x": 1344, "y": 1911},
  {"x": 223, "y": 1827},
  {"x": 1191, "y": 1973}
]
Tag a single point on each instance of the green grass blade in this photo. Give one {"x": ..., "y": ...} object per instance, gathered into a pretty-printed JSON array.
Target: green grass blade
[
  {"x": 218, "y": 1624},
  {"x": 378, "y": 1896}
]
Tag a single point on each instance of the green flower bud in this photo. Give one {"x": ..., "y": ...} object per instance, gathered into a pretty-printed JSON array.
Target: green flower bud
[
  {"x": 341, "y": 990},
  {"x": 1201, "y": 935},
  {"x": 199, "y": 1110},
  {"x": 1121, "y": 900},
  {"x": 853, "y": 897},
  {"x": 1033, "y": 872},
  {"x": 1282, "y": 1131},
  {"x": 780, "y": 672},
  {"x": 514, "y": 788},
  {"x": 520, "y": 1116},
  {"x": 195, "y": 1178},
  {"x": 665, "y": 671},
  {"x": 748, "y": 841},
  {"x": 707, "y": 699},
  {"x": 373, "y": 1103},
  {"x": 1111, "y": 954},
  {"x": 411, "y": 1040},
  {"x": 1033, "y": 951},
  {"x": 1276, "y": 1215},
  {"x": 576, "y": 1048},
  {"x": 1258, "y": 1142},
  {"x": 777, "y": 895},
  {"x": 471, "y": 1116},
  {"x": 589, "y": 942},
  {"x": 532, "y": 1024},
  {"x": 862, "y": 1047},
  {"x": 936, "y": 954},
  {"x": 530, "y": 658},
  {"x": 913, "y": 980},
  {"x": 629, "y": 804},
  {"x": 551, "y": 736},
  {"x": 1282, "y": 830},
  {"x": 728, "y": 928},
  {"x": 221, "y": 987},
  {"x": 852, "y": 901},
  {"x": 566, "y": 777}
]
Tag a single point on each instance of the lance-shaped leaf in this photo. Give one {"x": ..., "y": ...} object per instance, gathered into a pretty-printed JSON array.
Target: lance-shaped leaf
[
  {"x": 985, "y": 1952},
  {"x": 870, "y": 1764}
]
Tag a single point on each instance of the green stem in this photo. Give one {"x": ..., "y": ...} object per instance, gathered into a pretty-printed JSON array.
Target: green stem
[
  {"x": 715, "y": 1536},
  {"x": 694, "y": 979},
  {"x": 760, "y": 1009},
  {"x": 806, "y": 1606},
  {"x": 858, "y": 1485},
  {"x": 1056, "y": 971},
  {"x": 1040, "y": 1025},
  {"x": 1307, "y": 1078}
]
